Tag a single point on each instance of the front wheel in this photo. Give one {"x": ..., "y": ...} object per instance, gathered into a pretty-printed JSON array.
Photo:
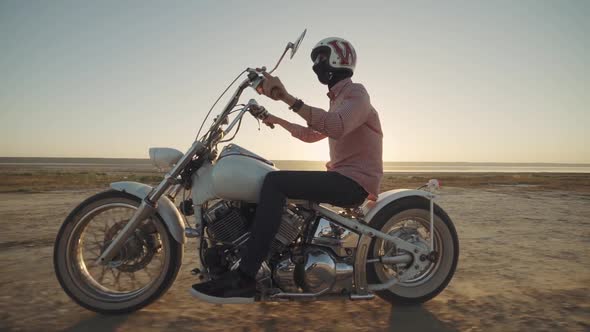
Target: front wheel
[
  {"x": 141, "y": 272},
  {"x": 409, "y": 219}
]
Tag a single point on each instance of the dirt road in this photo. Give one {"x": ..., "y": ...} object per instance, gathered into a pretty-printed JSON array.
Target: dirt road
[{"x": 524, "y": 265}]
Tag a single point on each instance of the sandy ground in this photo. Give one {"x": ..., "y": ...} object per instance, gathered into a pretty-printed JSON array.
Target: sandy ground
[{"x": 524, "y": 265}]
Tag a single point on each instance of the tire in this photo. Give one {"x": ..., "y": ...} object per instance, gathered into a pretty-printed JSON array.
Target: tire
[
  {"x": 438, "y": 275},
  {"x": 75, "y": 274}
]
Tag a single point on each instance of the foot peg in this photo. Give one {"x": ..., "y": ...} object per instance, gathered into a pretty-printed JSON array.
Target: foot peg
[
  {"x": 197, "y": 273},
  {"x": 359, "y": 297},
  {"x": 191, "y": 232}
]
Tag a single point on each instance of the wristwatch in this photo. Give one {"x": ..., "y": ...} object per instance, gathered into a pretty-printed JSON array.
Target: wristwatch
[{"x": 296, "y": 105}]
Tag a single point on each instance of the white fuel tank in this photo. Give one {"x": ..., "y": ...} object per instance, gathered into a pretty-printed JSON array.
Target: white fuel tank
[{"x": 238, "y": 174}]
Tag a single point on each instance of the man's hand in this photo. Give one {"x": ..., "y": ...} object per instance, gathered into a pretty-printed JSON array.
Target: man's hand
[
  {"x": 273, "y": 88},
  {"x": 271, "y": 120}
]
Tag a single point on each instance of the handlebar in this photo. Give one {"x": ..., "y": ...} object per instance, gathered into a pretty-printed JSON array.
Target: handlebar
[
  {"x": 257, "y": 80},
  {"x": 254, "y": 80}
]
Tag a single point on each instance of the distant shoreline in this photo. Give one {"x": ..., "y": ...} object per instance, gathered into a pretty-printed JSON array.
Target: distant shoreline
[
  {"x": 145, "y": 165},
  {"x": 145, "y": 161}
]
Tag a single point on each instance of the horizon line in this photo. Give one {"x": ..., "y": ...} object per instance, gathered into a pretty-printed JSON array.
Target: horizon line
[{"x": 307, "y": 160}]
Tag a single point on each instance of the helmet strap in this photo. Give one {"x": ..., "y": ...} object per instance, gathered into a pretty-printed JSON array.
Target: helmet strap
[{"x": 337, "y": 76}]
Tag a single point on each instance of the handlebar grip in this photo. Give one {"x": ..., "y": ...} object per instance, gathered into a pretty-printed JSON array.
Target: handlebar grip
[
  {"x": 264, "y": 116},
  {"x": 260, "y": 113}
]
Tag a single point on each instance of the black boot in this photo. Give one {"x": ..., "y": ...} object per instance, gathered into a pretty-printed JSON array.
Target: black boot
[{"x": 231, "y": 287}]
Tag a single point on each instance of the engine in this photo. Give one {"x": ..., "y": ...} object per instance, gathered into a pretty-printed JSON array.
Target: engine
[
  {"x": 325, "y": 264},
  {"x": 322, "y": 262},
  {"x": 228, "y": 223}
]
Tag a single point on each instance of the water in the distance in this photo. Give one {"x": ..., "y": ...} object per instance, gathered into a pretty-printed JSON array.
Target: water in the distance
[
  {"x": 405, "y": 167},
  {"x": 433, "y": 167}
]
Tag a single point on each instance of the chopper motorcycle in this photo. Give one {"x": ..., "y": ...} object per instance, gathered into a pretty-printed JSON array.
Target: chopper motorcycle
[{"x": 121, "y": 249}]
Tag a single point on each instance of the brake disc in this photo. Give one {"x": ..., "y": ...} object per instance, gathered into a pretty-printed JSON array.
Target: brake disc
[
  {"x": 138, "y": 250},
  {"x": 406, "y": 271}
]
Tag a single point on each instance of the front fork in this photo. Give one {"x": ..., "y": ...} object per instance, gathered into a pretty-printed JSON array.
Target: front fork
[
  {"x": 148, "y": 205},
  {"x": 145, "y": 210}
]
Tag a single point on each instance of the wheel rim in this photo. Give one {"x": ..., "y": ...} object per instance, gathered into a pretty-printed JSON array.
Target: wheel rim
[
  {"x": 139, "y": 267},
  {"x": 416, "y": 230}
]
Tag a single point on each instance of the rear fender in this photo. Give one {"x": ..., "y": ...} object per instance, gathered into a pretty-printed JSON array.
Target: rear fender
[
  {"x": 370, "y": 209},
  {"x": 165, "y": 207}
]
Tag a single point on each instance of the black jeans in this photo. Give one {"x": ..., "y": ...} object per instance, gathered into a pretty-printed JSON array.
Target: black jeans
[{"x": 320, "y": 187}]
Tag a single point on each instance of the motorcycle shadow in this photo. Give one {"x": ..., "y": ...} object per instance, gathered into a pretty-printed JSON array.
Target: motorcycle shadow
[
  {"x": 416, "y": 318},
  {"x": 403, "y": 318},
  {"x": 98, "y": 323}
]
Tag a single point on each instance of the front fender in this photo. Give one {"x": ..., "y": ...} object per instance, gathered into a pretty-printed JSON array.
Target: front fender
[{"x": 166, "y": 209}]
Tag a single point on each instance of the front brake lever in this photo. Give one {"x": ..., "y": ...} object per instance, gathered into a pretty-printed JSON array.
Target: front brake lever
[
  {"x": 265, "y": 115},
  {"x": 260, "y": 113},
  {"x": 272, "y": 126}
]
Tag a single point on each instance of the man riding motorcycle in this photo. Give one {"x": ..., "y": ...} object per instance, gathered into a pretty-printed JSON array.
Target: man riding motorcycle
[{"x": 353, "y": 173}]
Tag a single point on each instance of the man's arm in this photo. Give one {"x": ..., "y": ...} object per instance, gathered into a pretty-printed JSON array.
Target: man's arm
[
  {"x": 305, "y": 134},
  {"x": 352, "y": 113},
  {"x": 304, "y": 111},
  {"x": 272, "y": 83}
]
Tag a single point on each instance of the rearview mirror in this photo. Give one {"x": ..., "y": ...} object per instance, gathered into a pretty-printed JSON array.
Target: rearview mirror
[
  {"x": 290, "y": 46},
  {"x": 295, "y": 46}
]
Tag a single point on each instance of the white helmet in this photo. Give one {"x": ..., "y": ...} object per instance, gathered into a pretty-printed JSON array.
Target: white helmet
[{"x": 341, "y": 53}]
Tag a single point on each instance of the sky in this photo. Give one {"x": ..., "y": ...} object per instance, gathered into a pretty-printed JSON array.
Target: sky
[{"x": 493, "y": 81}]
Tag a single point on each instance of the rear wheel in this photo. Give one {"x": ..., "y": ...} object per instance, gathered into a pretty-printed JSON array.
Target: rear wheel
[
  {"x": 409, "y": 219},
  {"x": 141, "y": 272}
]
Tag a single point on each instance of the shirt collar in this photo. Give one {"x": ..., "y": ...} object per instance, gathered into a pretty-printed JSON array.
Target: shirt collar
[{"x": 337, "y": 88}]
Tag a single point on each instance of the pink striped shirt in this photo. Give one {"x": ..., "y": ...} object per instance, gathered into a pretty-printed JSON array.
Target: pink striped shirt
[{"x": 354, "y": 131}]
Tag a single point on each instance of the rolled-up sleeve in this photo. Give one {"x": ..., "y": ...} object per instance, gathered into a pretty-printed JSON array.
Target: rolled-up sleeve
[
  {"x": 352, "y": 112},
  {"x": 305, "y": 134}
]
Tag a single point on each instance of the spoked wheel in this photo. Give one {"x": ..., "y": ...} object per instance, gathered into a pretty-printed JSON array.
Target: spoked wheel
[
  {"x": 143, "y": 269},
  {"x": 409, "y": 219}
]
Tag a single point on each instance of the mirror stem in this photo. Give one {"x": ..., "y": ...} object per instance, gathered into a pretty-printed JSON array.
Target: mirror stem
[{"x": 288, "y": 47}]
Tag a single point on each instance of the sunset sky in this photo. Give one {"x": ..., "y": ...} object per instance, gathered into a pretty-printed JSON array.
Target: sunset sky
[{"x": 494, "y": 81}]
